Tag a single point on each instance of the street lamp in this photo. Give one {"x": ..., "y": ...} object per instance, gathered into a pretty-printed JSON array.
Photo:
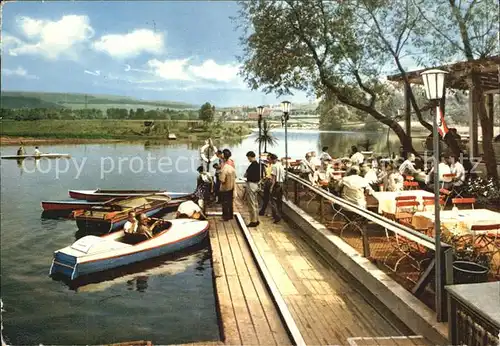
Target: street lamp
[
  {"x": 434, "y": 90},
  {"x": 285, "y": 107},
  {"x": 260, "y": 111}
]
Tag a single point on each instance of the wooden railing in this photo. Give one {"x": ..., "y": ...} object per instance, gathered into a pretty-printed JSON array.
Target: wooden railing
[{"x": 368, "y": 240}]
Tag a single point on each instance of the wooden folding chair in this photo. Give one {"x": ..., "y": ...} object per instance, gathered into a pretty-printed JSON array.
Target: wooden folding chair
[
  {"x": 464, "y": 201},
  {"x": 410, "y": 185},
  {"x": 429, "y": 201},
  {"x": 445, "y": 195},
  {"x": 405, "y": 210},
  {"x": 447, "y": 178},
  {"x": 409, "y": 178},
  {"x": 406, "y": 198}
]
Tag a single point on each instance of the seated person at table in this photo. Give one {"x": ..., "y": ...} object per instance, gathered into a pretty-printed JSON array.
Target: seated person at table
[
  {"x": 444, "y": 168},
  {"x": 306, "y": 168},
  {"x": 144, "y": 228},
  {"x": 356, "y": 157},
  {"x": 353, "y": 187},
  {"x": 408, "y": 166},
  {"x": 315, "y": 161},
  {"x": 458, "y": 169},
  {"x": 369, "y": 174},
  {"x": 324, "y": 155},
  {"x": 189, "y": 210},
  {"x": 131, "y": 224},
  {"x": 395, "y": 181}
]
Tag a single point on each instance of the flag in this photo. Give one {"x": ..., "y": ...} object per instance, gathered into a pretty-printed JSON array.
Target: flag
[{"x": 442, "y": 128}]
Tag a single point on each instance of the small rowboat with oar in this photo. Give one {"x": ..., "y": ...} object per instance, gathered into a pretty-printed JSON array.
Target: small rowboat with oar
[
  {"x": 39, "y": 156},
  {"x": 111, "y": 217},
  {"x": 70, "y": 205},
  {"x": 104, "y": 195},
  {"x": 92, "y": 254}
]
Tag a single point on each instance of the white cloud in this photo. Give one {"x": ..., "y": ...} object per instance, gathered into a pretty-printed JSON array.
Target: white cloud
[
  {"x": 131, "y": 44},
  {"x": 175, "y": 69},
  {"x": 210, "y": 70},
  {"x": 96, "y": 73},
  {"x": 51, "y": 39},
  {"x": 18, "y": 72}
]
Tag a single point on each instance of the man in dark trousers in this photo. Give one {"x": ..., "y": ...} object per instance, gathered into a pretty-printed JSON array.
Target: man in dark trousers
[
  {"x": 277, "y": 180},
  {"x": 266, "y": 187},
  {"x": 253, "y": 176}
]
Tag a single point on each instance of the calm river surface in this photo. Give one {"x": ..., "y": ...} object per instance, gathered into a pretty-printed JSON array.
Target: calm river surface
[{"x": 167, "y": 300}]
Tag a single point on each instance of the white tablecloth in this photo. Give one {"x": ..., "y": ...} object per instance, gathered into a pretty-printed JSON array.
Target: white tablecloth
[
  {"x": 387, "y": 200},
  {"x": 463, "y": 222}
]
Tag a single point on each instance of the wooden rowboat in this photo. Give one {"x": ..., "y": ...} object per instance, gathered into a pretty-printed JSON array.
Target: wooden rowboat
[
  {"x": 56, "y": 206},
  {"x": 104, "y": 195},
  {"x": 111, "y": 217},
  {"x": 92, "y": 254},
  {"x": 41, "y": 156}
]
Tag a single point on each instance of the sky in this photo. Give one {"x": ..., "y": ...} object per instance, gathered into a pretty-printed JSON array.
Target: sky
[{"x": 165, "y": 50}]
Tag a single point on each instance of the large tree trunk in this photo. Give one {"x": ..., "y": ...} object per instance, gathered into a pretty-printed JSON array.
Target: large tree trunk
[{"x": 486, "y": 127}]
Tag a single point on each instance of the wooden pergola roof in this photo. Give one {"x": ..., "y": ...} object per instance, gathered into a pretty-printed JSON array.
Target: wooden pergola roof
[{"x": 488, "y": 68}]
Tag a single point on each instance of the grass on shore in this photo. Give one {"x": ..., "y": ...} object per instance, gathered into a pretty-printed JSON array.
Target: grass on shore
[{"x": 117, "y": 129}]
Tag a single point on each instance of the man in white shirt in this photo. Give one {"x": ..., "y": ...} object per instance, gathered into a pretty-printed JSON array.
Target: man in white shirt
[
  {"x": 277, "y": 180},
  {"x": 353, "y": 187},
  {"x": 37, "y": 152},
  {"x": 130, "y": 226},
  {"x": 315, "y": 161},
  {"x": 357, "y": 158},
  {"x": 444, "y": 168},
  {"x": 324, "y": 155},
  {"x": 458, "y": 169},
  {"x": 408, "y": 166},
  {"x": 189, "y": 210}
]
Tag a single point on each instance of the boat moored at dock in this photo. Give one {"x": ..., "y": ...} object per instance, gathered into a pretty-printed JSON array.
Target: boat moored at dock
[
  {"x": 92, "y": 254},
  {"x": 104, "y": 195}
]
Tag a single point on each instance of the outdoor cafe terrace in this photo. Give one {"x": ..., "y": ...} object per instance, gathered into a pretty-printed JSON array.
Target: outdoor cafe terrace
[{"x": 396, "y": 231}]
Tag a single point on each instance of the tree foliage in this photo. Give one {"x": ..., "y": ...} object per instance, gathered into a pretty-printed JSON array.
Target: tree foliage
[
  {"x": 207, "y": 112},
  {"x": 344, "y": 49}
]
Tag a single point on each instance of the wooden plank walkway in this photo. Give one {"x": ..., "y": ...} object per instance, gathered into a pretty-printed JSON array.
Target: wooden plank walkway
[
  {"x": 325, "y": 307},
  {"x": 247, "y": 313}
]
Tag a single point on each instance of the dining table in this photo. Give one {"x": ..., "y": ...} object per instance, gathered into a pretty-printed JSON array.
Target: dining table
[
  {"x": 458, "y": 222},
  {"x": 387, "y": 199}
]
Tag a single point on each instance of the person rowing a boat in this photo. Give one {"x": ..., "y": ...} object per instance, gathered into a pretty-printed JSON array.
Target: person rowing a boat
[
  {"x": 21, "y": 151},
  {"x": 131, "y": 224},
  {"x": 37, "y": 152}
]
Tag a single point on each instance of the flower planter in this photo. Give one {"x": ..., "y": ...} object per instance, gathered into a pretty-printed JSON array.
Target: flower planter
[{"x": 465, "y": 272}]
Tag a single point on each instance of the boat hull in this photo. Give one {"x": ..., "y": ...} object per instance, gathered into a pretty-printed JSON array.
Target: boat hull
[
  {"x": 54, "y": 206},
  {"x": 104, "y": 195},
  {"x": 73, "y": 267}
]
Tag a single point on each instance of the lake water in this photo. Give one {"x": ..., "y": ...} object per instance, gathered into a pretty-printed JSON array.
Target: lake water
[{"x": 167, "y": 300}]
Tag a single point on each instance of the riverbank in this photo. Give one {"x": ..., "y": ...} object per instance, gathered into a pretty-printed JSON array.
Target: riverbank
[{"x": 102, "y": 131}]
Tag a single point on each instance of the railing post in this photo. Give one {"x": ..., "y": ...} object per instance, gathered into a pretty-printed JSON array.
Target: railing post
[
  {"x": 321, "y": 209},
  {"x": 296, "y": 192},
  {"x": 441, "y": 310},
  {"x": 366, "y": 241}
]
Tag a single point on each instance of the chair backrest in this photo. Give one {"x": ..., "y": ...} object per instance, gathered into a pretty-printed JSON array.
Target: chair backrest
[
  {"x": 469, "y": 200},
  {"x": 406, "y": 204},
  {"x": 449, "y": 177},
  {"x": 409, "y": 178},
  {"x": 410, "y": 184},
  {"x": 428, "y": 202},
  {"x": 444, "y": 192},
  {"x": 406, "y": 198},
  {"x": 494, "y": 227}
]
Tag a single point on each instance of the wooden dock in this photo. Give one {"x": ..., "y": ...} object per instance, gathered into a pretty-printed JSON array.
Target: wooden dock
[{"x": 326, "y": 307}]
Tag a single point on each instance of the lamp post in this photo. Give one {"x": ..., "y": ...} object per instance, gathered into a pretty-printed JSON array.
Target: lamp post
[
  {"x": 260, "y": 111},
  {"x": 285, "y": 107},
  {"x": 434, "y": 90}
]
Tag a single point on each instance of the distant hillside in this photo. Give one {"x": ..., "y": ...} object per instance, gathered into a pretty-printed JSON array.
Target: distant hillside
[{"x": 21, "y": 99}]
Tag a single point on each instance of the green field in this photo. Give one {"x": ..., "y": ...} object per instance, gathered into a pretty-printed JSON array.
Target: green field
[
  {"x": 21, "y": 99},
  {"x": 119, "y": 129}
]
